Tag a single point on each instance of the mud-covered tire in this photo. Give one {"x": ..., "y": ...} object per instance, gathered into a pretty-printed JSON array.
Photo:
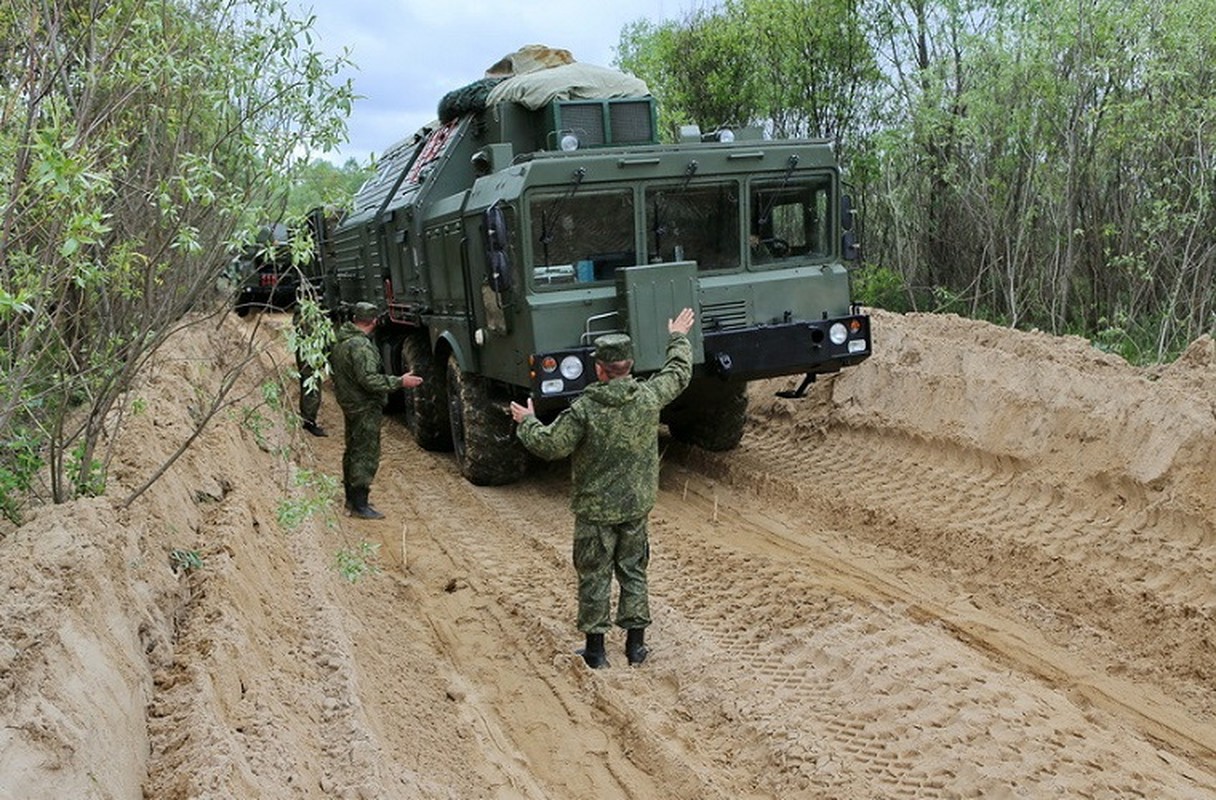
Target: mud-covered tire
[
  {"x": 710, "y": 414},
  {"x": 425, "y": 407},
  {"x": 483, "y": 433},
  {"x": 390, "y": 363}
]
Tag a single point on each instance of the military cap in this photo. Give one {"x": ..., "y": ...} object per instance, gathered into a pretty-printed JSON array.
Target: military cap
[
  {"x": 365, "y": 312},
  {"x": 613, "y": 347}
]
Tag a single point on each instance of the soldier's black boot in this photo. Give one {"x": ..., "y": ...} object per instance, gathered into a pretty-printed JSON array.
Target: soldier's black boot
[
  {"x": 594, "y": 653},
  {"x": 349, "y": 503},
  {"x": 359, "y": 505},
  {"x": 635, "y": 646}
]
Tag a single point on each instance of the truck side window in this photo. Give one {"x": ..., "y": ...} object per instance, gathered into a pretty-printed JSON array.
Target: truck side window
[
  {"x": 580, "y": 236},
  {"x": 788, "y": 219},
  {"x": 694, "y": 222}
]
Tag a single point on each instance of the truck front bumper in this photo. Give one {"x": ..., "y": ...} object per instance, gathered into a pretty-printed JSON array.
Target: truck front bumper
[{"x": 768, "y": 351}]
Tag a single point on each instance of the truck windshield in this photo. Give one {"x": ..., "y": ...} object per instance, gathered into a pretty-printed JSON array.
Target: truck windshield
[
  {"x": 581, "y": 236},
  {"x": 696, "y": 222},
  {"x": 788, "y": 219}
]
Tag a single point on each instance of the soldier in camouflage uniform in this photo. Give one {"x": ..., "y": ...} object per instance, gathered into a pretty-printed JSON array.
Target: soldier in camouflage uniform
[
  {"x": 611, "y": 433},
  {"x": 361, "y": 389}
]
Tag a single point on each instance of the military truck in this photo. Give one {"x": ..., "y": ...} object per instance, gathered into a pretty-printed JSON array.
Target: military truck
[
  {"x": 267, "y": 276},
  {"x": 502, "y": 239}
]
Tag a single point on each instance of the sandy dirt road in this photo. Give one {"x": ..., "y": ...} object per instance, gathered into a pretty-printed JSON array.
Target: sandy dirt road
[{"x": 979, "y": 565}]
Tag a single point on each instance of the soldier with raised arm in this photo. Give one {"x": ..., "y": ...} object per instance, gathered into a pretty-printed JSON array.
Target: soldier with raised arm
[{"x": 611, "y": 434}]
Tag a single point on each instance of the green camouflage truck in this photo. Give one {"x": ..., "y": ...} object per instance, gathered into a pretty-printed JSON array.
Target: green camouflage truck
[{"x": 503, "y": 238}]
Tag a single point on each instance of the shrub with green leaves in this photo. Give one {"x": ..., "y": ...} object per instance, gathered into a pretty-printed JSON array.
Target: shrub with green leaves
[
  {"x": 877, "y": 286},
  {"x": 358, "y": 561},
  {"x": 140, "y": 144},
  {"x": 19, "y": 463}
]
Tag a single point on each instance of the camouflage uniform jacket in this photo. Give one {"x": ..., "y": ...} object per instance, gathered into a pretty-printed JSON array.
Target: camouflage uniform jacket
[
  {"x": 359, "y": 385},
  {"x": 611, "y": 432}
]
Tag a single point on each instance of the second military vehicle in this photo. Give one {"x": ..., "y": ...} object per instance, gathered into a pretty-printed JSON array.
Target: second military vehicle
[{"x": 541, "y": 210}]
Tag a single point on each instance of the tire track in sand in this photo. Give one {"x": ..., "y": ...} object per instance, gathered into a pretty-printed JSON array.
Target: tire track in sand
[
  {"x": 851, "y": 649},
  {"x": 1092, "y": 567},
  {"x": 507, "y": 550}
]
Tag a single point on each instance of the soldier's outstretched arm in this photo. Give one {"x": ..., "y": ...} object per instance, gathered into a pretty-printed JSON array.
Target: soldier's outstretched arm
[
  {"x": 555, "y": 440},
  {"x": 673, "y": 378},
  {"x": 367, "y": 372}
]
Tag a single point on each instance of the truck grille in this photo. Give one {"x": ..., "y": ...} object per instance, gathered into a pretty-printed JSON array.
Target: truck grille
[
  {"x": 605, "y": 122},
  {"x": 724, "y": 316},
  {"x": 631, "y": 122},
  {"x": 587, "y": 120}
]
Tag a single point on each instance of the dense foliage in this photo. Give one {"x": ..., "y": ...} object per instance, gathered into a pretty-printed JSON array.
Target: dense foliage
[
  {"x": 322, "y": 184},
  {"x": 1042, "y": 163},
  {"x": 139, "y": 141}
]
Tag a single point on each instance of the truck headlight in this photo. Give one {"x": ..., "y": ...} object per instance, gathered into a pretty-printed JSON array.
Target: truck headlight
[
  {"x": 572, "y": 368},
  {"x": 838, "y": 333},
  {"x": 554, "y": 386}
]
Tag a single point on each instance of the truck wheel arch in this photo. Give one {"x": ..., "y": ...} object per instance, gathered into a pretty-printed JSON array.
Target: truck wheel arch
[{"x": 447, "y": 345}]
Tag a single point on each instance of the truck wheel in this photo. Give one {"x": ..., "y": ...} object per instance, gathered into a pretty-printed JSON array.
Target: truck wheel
[
  {"x": 710, "y": 414},
  {"x": 426, "y": 406},
  {"x": 390, "y": 361},
  {"x": 483, "y": 434}
]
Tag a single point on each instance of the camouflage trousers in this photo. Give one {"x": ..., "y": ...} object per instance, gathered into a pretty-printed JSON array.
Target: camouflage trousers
[
  {"x": 310, "y": 401},
  {"x": 601, "y": 551},
  {"x": 361, "y": 458}
]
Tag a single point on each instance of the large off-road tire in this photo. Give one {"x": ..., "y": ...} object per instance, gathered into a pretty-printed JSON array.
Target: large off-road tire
[
  {"x": 390, "y": 362},
  {"x": 710, "y": 414},
  {"x": 426, "y": 406},
  {"x": 483, "y": 434}
]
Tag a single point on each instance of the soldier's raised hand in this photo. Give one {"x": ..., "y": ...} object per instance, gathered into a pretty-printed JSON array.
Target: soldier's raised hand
[
  {"x": 682, "y": 323},
  {"x": 409, "y": 380}
]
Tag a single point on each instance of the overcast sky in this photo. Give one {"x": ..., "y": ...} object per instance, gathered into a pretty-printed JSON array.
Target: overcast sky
[{"x": 412, "y": 52}]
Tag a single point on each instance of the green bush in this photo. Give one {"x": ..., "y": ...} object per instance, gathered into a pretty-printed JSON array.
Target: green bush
[
  {"x": 877, "y": 286},
  {"x": 18, "y": 466}
]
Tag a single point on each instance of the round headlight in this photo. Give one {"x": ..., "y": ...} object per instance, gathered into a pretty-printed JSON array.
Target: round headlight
[
  {"x": 572, "y": 368},
  {"x": 569, "y": 142},
  {"x": 726, "y": 135},
  {"x": 838, "y": 333}
]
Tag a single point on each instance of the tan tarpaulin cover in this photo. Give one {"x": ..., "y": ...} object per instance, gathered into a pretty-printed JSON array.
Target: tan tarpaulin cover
[
  {"x": 574, "y": 81},
  {"x": 529, "y": 58}
]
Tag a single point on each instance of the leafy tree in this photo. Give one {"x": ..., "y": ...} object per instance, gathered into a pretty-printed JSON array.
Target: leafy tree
[
  {"x": 322, "y": 184},
  {"x": 813, "y": 66},
  {"x": 714, "y": 86},
  {"x": 1052, "y": 168},
  {"x": 796, "y": 67},
  {"x": 139, "y": 142}
]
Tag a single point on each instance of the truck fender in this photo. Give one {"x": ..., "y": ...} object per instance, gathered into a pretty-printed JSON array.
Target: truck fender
[{"x": 448, "y": 343}]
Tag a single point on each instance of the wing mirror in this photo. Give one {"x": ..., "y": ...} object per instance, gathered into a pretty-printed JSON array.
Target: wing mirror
[{"x": 498, "y": 263}]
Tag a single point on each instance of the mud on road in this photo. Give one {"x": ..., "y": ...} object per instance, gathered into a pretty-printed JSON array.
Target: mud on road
[{"x": 978, "y": 565}]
